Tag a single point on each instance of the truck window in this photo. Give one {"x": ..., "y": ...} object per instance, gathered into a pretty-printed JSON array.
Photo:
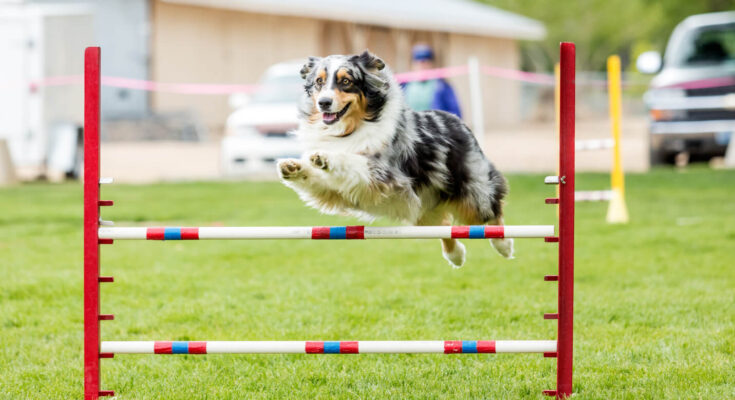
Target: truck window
[{"x": 709, "y": 45}]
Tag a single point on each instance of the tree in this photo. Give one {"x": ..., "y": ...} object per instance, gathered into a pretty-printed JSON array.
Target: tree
[{"x": 603, "y": 27}]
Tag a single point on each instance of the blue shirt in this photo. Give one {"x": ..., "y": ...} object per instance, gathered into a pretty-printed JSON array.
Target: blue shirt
[{"x": 433, "y": 94}]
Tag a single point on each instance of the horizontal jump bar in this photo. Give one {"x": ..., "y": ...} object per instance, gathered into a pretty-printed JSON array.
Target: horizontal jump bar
[
  {"x": 330, "y": 232},
  {"x": 593, "y": 195},
  {"x": 336, "y": 347},
  {"x": 594, "y": 144}
]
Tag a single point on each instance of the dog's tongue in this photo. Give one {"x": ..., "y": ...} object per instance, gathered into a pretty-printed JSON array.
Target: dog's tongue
[{"x": 329, "y": 117}]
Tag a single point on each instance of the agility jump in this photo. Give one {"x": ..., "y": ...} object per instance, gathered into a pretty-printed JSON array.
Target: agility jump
[
  {"x": 95, "y": 233},
  {"x": 617, "y": 212}
]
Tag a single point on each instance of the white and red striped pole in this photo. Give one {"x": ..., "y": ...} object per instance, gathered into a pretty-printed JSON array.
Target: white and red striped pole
[
  {"x": 330, "y": 347},
  {"x": 329, "y": 232}
]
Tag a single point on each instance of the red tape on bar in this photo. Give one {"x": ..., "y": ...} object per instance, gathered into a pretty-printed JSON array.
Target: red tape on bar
[
  {"x": 197, "y": 347},
  {"x": 486, "y": 346},
  {"x": 314, "y": 347},
  {"x": 320, "y": 232},
  {"x": 452, "y": 346},
  {"x": 494, "y": 232},
  {"x": 155, "y": 233},
  {"x": 189, "y": 233},
  {"x": 163, "y": 348},
  {"x": 355, "y": 232},
  {"x": 460, "y": 232},
  {"x": 348, "y": 348}
]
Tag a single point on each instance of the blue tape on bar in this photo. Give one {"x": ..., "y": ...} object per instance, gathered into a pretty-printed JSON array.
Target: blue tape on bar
[
  {"x": 477, "y": 232},
  {"x": 469, "y": 346},
  {"x": 179, "y": 347},
  {"x": 331, "y": 347},
  {"x": 172, "y": 234},
  {"x": 338, "y": 232}
]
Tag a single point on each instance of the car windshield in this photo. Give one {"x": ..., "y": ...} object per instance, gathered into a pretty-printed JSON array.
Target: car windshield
[
  {"x": 279, "y": 89},
  {"x": 709, "y": 45}
]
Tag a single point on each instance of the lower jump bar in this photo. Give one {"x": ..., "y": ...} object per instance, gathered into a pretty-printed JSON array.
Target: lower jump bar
[
  {"x": 330, "y": 232},
  {"x": 336, "y": 347}
]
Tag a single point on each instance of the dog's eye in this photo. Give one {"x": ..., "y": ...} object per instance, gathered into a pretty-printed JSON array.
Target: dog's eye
[
  {"x": 319, "y": 81},
  {"x": 345, "y": 81}
]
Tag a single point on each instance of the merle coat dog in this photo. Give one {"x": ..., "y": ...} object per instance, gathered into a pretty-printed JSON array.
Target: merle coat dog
[{"x": 370, "y": 156}]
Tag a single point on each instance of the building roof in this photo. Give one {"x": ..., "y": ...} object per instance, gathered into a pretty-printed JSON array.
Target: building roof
[{"x": 458, "y": 16}]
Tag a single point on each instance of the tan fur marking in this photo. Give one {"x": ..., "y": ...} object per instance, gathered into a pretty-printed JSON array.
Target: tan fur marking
[
  {"x": 322, "y": 74},
  {"x": 341, "y": 74},
  {"x": 316, "y": 116},
  {"x": 356, "y": 114},
  {"x": 467, "y": 213},
  {"x": 358, "y": 104},
  {"x": 448, "y": 245}
]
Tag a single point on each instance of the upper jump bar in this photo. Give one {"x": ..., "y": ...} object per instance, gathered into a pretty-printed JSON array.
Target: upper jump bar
[
  {"x": 330, "y": 232},
  {"x": 326, "y": 347}
]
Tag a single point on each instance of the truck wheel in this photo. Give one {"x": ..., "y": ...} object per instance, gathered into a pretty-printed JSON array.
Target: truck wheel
[
  {"x": 657, "y": 153},
  {"x": 657, "y": 157}
]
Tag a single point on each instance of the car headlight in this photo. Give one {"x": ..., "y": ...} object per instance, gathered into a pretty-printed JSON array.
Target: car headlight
[{"x": 667, "y": 115}]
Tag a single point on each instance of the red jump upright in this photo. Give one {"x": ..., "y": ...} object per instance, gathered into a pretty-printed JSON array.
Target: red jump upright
[
  {"x": 565, "y": 330},
  {"x": 91, "y": 224},
  {"x": 94, "y": 235}
]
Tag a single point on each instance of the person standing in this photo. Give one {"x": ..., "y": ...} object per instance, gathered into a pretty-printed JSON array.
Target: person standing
[{"x": 430, "y": 94}]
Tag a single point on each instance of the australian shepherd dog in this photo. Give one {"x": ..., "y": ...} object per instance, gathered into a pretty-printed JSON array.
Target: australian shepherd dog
[{"x": 370, "y": 156}]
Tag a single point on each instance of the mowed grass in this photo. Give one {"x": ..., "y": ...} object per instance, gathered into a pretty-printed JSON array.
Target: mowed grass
[{"x": 654, "y": 306}]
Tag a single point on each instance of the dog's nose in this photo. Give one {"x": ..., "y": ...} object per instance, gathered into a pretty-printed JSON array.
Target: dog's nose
[{"x": 325, "y": 103}]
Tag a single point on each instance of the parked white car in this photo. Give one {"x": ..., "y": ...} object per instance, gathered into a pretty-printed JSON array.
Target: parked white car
[
  {"x": 258, "y": 132},
  {"x": 692, "y": 98}
]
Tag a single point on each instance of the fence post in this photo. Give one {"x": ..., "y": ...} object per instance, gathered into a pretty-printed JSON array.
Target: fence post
[{"x": 478, "y": 122}]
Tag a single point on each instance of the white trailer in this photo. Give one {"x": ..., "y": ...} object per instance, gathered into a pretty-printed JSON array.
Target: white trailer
[{"x": 39, "y": 41}]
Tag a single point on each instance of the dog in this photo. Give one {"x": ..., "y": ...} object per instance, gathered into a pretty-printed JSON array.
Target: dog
[{"x": 369, "y": 155}]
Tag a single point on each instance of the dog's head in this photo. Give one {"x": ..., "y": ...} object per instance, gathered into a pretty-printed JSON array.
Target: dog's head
[{"x": 342, "y": 92}]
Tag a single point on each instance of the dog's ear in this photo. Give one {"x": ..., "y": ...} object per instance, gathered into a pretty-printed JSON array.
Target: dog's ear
[
  {"x": 369, "y": 61},
  {"x": 310, "y": 63}
]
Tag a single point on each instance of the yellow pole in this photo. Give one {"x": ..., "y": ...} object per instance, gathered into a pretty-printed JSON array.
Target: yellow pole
[{"x": 617, "y": 212}]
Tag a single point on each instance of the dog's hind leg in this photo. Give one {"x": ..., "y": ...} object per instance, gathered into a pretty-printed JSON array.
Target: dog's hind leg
[
  {"x": 503, "y": 246},
  {"x": 469, "y": 215},
  {"x": 452, "y": 250}
]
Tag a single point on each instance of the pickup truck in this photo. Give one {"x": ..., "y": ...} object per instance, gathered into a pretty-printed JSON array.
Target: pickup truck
[{"x": 691, "y": 100}]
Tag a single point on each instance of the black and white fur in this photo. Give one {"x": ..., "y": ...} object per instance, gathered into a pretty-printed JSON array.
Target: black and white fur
[{"x": 370, "y": 156}]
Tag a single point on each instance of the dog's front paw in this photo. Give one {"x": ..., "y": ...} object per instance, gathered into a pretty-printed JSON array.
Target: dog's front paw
[
  {"x": 290, "y": 169},
  {"x": 319, "y": 160}
]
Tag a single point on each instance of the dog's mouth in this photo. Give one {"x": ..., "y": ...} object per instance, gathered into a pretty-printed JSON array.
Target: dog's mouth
[{"x": 330, "y": 118}]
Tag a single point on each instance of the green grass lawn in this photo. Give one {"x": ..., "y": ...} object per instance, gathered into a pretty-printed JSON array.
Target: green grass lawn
[{"x": 655, "y": 299}]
